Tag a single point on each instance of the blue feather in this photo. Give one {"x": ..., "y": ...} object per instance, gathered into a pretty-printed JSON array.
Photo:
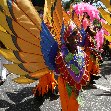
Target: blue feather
[
  {"x": 83, "y": 34},
  {"x": 49, "y": 47},
  {"x": 47, "y": 33},
  {"x": 9, "y": 3}
]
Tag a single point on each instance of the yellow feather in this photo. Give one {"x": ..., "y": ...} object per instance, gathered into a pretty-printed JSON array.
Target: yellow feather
[
  {"x": 30, "y": 11},
  {"x": 58, "y": 20},
  {"x": 25, "y": 35},
  {"x": 2, "y": 29},
  {"x": 105, "y": 15},
  {"x": 40, "y": 73},
  {"x": 9, "y": 55},
  {"x": 23, "y": 80},
  {"x": 53, "y": 15},
  {"x": 66, "y": 17},
  {"x": 27, "y": 47},
  {"x": 47, "y": 12},
  {"x": 25, "y": 22},
  {"x": 30, "y": 58},
  {"x": 107, "y": 4},
  {"x": 3, "y": 23},
  {"x": 108, "y": 38},
  {"x": 3, "y": 4},
  {"x": 33, "y": 67},
  {"x": 7, "y": 40},
  {"x": 14, "y": 68},
  {"x": 59, "y": 12},
  {"x": 107, "y": 27}
]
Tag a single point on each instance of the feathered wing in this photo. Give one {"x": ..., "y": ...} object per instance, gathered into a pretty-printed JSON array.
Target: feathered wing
[
  {"x": 105, "y": 15},
  {"x": 54, "y": 16},
  {"x": 29, "y": 43},
  {"x": 2, "y": 29},
  {"x": 67, "y": 18},
  {"x": 47, "y": 11},
  {"x": 107, "y": 27},
  {"x": 107, "y": 4},
  {"x": 108, "y": 38}
]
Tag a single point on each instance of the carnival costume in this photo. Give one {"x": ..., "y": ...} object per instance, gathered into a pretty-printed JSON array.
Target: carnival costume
[{"x": 61, "y": 43}]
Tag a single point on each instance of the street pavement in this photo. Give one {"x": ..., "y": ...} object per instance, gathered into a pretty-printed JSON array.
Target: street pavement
[{"x": 18, "y": 97}]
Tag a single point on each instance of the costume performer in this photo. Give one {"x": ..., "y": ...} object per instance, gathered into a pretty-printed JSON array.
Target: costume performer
[{"x": 39, "y": 48}]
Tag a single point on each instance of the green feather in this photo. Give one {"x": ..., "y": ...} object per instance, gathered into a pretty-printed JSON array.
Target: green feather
[
  {"x": 75, "y": 69},
  {"x": 69, "y": 89},
  {"x": 69, "y": 57}
]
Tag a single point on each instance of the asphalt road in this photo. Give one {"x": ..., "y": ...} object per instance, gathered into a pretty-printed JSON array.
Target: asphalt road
[{"x": 18, "y": 97}]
